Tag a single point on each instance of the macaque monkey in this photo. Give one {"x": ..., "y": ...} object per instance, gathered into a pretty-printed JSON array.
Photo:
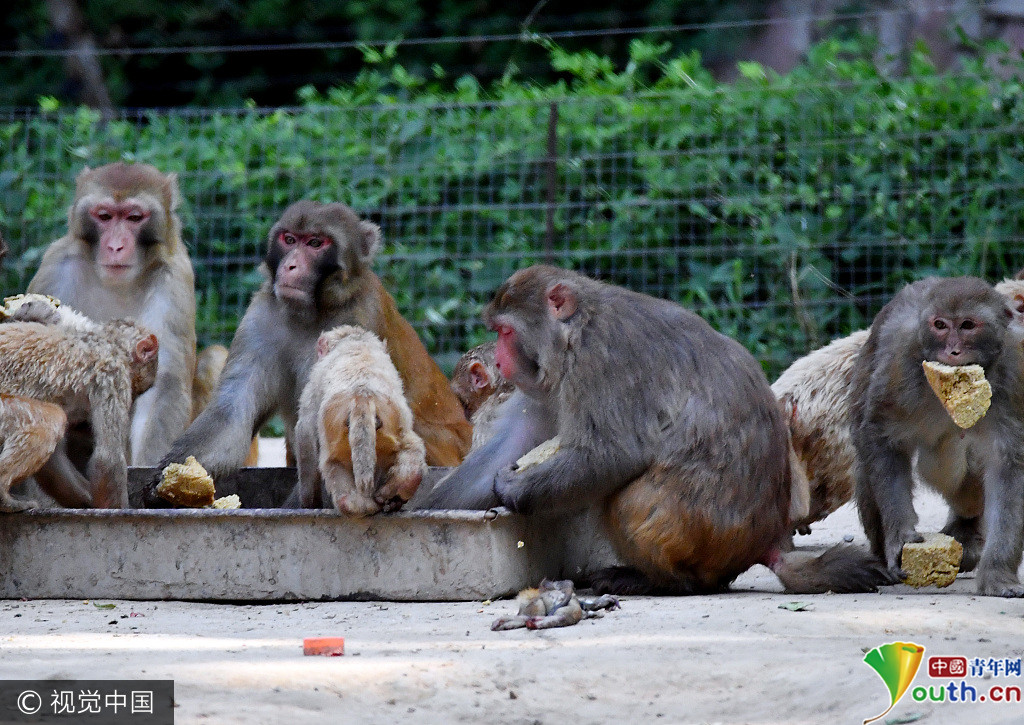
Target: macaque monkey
[
  {"x": 92, "y": 376},
  {"x": 29, "y": 433},
  {"x": 318, "y": 276},
  {"x": 668, "y": 425},
  {"x": 123, "y": 258},
  {"x": 900, "y": 427},
  {"x": 814, "y": 395},
  {"x": 481, "y": 390},
  {"x": 553, "y": 604},
  {"x": 354, "y": 435}
]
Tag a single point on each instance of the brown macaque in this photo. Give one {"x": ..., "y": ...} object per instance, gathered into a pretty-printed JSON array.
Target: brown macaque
[
  {"x": 123, "y": 258},
  {"x": 814, "y": 395},
  {"x": 354, "y": 435},
  {"x": 318, "y": 276},
  {"x": 900, "y": 427},
  {"x": 553, "y": 604},
  {"x": 481, "y": 390},
  {"x": 29, "y": 433},
  {"x": 93, "y": 376},
  {"x": 666, "y": 423}
]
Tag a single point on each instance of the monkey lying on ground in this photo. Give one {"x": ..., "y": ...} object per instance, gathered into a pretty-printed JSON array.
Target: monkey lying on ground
[
  {"x": 355, "y": 429},
  {"x": 481, "y": 389},
  {"x": 553, "y": 604},
  {"x": 92, "y": 375},
  {"x": 29, "y": 433},
  {"x": 666, "y": 423},
  {"x": 900, "y": 427}
]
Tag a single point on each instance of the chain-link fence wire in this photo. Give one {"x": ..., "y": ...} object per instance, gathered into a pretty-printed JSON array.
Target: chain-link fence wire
[{"x": 785, "y": 214}]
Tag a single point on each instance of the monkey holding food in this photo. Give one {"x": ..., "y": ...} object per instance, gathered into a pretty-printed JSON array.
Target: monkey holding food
[
  {"x": 92, "y": 375},
  {"x": 668, "y": 425},
  {"x": 900, "y": 427},
  {"x": 355, "y": 432}
]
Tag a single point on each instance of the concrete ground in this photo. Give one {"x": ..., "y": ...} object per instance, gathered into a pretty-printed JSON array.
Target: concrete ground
[{"x": 731, "y": 658}]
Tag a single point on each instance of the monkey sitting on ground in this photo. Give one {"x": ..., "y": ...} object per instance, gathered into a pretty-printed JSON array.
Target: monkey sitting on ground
[
  {"x": 900, "y": 427},
  {"x": 480, "y": 388},
  {"x": 667, "y": 424},
  {"x": 553, "y": 604},
  {"x": 29, "y": 433},
  {"x": 92, "y": 375},
  {"x": 355, "y": 429}
]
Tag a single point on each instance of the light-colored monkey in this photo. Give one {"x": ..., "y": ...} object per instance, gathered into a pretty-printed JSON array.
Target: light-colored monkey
[{"x": 354, "y": 433}]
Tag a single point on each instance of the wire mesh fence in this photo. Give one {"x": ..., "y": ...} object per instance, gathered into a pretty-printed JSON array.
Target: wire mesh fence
[{"x": 785, "y": 213}]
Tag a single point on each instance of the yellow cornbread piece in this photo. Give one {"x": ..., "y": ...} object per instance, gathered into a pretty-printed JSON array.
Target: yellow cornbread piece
[
  {"x": 963, "y": 390},
  {"x": 933, "y": 562},
  {"x": 227, "y": 502},
  {"x": 186, "y": 484},
  {"x": 539, "y": 454},
  {"x": 14, "y": 302}
]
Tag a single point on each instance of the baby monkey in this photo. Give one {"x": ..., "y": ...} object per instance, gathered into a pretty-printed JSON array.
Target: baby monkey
[
  {"x": 480, "y": 388},
  {"x": 354, "y": 434},
  {"x": 553, "y": 604}
]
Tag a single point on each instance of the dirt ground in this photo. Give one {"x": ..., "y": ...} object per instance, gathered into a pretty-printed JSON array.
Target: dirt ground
[{"x": 730, "y": 658}]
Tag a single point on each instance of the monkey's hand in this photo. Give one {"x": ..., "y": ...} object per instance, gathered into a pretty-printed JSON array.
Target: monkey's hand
[
  {"x": 894, "y": 542},
  {"x": 32, "y": 308},
  {"x": 510, "y": 489}
]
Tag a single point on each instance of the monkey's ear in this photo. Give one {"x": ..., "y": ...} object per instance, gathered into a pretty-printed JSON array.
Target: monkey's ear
[
  {"x": 146, "y": 349},
  {"x": 478, "y": 375},
  {"x": 172, "y": 196},
  {"x": 561, "y": 301},
  {"x": 1018, "y": 304},
  {"x": 368, "y": 242},
  {"x": 323, "y": 345}
]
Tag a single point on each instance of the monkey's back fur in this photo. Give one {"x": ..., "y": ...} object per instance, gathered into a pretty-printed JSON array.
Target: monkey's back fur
[{"x": 814, "y": 395}]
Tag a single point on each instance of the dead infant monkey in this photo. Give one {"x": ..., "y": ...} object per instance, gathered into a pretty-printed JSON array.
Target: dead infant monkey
[
  {"x": 355, "y": 429},
  {"x": 896, "y": 420}
]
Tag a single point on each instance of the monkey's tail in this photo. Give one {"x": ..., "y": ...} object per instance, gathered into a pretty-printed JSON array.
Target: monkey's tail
[
  {"x": 843, "y": 569},
  {"x": 362, "y": 440}
]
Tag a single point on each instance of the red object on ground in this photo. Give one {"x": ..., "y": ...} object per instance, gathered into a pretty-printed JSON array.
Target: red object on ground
[{"x": 326, "y": 646}]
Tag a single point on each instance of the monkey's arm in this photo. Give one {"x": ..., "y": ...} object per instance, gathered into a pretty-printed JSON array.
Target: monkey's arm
[
  {"x": 522, "y": 424},
  {"x": 884, "y": 496},
  {"x": 570, "y": 477},
  {"x": 307, "y": 457},
  {"x": 162, "y": 413},
  {"x": 108, "y": 466},
  {"x": 248, "y": 393}
]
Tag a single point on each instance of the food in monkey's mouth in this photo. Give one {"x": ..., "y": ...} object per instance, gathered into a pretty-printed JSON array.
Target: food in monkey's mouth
[{"x": 962, "y": 389}]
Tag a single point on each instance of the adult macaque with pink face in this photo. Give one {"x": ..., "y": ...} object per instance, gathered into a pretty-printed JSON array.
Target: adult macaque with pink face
[{"x": 123, "y": 257}]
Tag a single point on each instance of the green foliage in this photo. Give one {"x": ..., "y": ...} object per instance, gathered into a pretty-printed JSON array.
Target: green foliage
[{"x": 785, "y": 209}]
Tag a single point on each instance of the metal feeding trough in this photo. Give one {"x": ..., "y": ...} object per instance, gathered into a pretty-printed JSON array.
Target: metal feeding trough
[{"x": 264, "y": 553}]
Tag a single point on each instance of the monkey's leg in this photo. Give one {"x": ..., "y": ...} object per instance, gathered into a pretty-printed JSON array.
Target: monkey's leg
[
  {"x": 19, "y": 459},
  {"x": 1004, "y": 531},
  {"x": 564, "y": 616},
  {"x": 505, "y": 623},
  {"x": 63, "y": 481},
  {"x": 966, "y": 506},
  {"x": 309, "y": 481},
  {"x": 404, "y": 477},
  {"x": 341, "y": 488}
]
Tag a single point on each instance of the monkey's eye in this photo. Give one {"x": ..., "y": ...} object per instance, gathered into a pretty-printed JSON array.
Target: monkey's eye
[
  {"x": 288, "y": 239},
  {"x": 315, "y": 242},
  {"x": 104, "y": 216},
  {"x": 940, "y": 325},
  {"x": 968, "y": 325},
  {"x": 135, "y": 217}
]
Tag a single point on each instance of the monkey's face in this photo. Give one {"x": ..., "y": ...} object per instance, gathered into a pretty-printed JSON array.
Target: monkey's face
[
  {"x": 313, "y": 242},
  {"x": 955, "y": 340},
  {"x": 120, "y": 233}
]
